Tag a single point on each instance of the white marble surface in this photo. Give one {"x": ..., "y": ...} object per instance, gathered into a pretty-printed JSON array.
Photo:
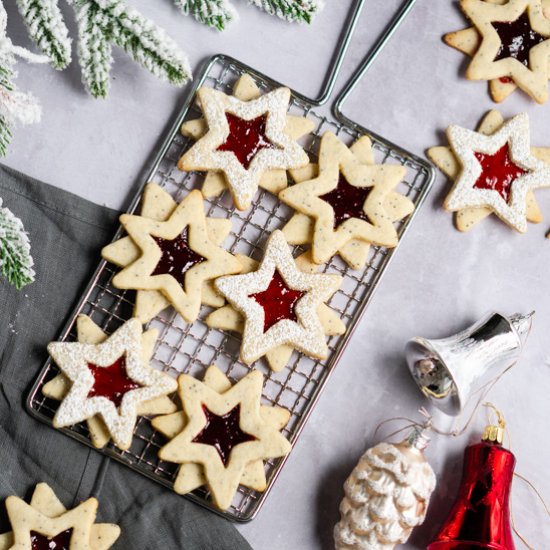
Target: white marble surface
[{"x": 439, "y": 282}]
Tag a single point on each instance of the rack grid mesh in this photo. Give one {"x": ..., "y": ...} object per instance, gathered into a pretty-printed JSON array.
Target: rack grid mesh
[{"x": 191, "y": 348}]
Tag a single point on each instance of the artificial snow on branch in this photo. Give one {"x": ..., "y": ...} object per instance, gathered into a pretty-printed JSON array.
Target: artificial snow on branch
[
  {"x": 291, "y": 10},
  {"x": 214, "y": 13},
  {"x": 16, "y": 263},
  {"x": 102, "y": 23},
  {"x": 47, "y": 29}
]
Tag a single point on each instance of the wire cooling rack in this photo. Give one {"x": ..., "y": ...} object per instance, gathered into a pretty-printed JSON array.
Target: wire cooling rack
[{"x": 183, "y": 348}]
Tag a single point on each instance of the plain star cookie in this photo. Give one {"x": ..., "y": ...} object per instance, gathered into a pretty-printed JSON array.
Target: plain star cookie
[
  {"x": 177, "y": 256},
  {"x": 448, "y": 162},
  {"x": 158, "y": 205},
  {"x": 89, "y": 333},
  {"x": 300, "y": 228},
  {"x": 109, "y": 379},
  {"x": 280, "y": 303},
  {"x": 244, "y": 140},
  {"x": 228, "y": 318},
  {"x": 191, "y": 476},
  {"x": 46, "y": 524},
  {"x": 509, "y": 45},
  {"x": 245, "y": 89},
  {"x": 497, "y": 173},
  {"x": 347, "y": 202},
  {"x": 224, "y": 433}
]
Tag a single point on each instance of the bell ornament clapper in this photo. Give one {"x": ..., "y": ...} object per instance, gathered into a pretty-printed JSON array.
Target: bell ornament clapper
[{"x": 449, "y": 370}]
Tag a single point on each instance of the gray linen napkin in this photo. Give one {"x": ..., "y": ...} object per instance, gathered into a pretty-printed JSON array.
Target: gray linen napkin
[{"x": 66, "y": 234}]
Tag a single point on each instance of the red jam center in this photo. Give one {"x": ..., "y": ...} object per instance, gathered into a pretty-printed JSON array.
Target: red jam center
[
  {"x": 347, "y": 201},
  {"x": 517, "y": 38},
  {"x": 223, "y": 432},
  {"x": 246, "y": 138},
  {"x": 59, "y": 542},
  {"x": 176, "y": 257},
  {"x": 112, "y": 382},
  {"x": 498, "y": 172},
  {"x": 278, "y": 300}
]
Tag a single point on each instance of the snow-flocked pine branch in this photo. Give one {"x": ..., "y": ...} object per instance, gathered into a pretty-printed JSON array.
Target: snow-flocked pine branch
[
  {"x": 214, "y": 13},
  {"x": 291, "y": 10}
]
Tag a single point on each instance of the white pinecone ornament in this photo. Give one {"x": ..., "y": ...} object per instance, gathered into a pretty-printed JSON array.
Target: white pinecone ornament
[{"x": 386, "y": 496}]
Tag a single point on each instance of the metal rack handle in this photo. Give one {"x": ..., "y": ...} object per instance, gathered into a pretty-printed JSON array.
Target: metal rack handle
[{"x": 370, "y": 59}]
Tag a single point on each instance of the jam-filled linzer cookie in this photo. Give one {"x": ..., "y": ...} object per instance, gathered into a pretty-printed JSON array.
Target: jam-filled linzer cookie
[
  {"x": 223, "y": 435},
  {"x": 158, "y": 205},
  {"x": 89, "y": 333},
  {"x": 245, "y": 89},
  {"x": 494, "y": 171},
  {"x": 509, "y": 45},
  {"x": 109, "y": 379},
  {"x": 228, "y": 318},
  {"x": 177, "y": 256},
  {"x": 244, "y": 140},
  {"x": 45, "y": 524},
  {"x": 348, "y": 201},
  {"x": 280, "y": 303}
]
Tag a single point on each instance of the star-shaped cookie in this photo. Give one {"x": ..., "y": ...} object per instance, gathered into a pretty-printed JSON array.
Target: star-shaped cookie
[
  {"x": 300, "y": 228},
  {"x": 245, "y": 139},
  {"x": 158, "y": 205},
  {"x": 46, "y": 523},
  {"x": 191, "y": 476},
  {"x": 89, "y": 333},
  {"x": 280, "y": 303},
  {"x": 447, "y": 161},
  {"x": 228, "y": 318},
  {"x": 224, "y": 433},
  {"x": 177, "y": 257},
  {"x": 509, "y": 44},
  {"x": 245, "y": 89},
  {"x": 109, "y": 379},
  {"x": 347, "y": 200},
  {"x": 497, "y": 172}
]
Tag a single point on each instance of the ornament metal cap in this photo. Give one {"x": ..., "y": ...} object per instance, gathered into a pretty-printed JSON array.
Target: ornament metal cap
[
  {"x": 449, "y": 370},
  {"x": 495, "y": 433}
]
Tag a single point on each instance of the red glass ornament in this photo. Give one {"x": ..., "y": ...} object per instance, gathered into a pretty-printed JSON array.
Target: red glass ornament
[
  {"x": 347, "y": 201},
  {"x": 223, "y": 432},
  {"x": 278, "y": 300},
  {"x": 480, "y": 517},
  {"x": 498, "y": 172},
  {"x": 246, "y": 138},
  {"x": 112, "y": 382},
  {"x": 59, "y": 542}
]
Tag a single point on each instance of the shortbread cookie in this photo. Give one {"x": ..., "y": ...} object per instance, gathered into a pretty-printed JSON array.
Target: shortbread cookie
[
  {"x": 46, "y": 524},
  {"x": 191, "y": 476},
  {"x": 347, "y": 201},
  {"x": 224, "y": 433},
  {"x": 109, "y": 379},
  {"x": 158, "y": 205},
  {"x": 89, "y": 333},
  {"x": 446, "y": 160},
  {"x": 509, "y": 44},
  {"x": 244, "y": 140},
  {"x": 494, "y": 172},
  {"x": 300, "y": 228},
  {"x": 228, "y": 318},
  {"x": 245, "y": 89},
  {"x": 279, "y": 303},
  {"x": 177, "y": 257}
]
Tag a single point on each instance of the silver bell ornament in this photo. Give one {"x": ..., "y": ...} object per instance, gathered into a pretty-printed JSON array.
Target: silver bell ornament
[
  {"x": 386, "y": 495},
  {"x": 448, "y": 371}
]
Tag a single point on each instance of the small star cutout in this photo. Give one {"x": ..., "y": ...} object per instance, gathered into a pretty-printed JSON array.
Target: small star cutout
[
  {"x": 305, "y": 333},
  {"x": 245, "y": 139},
  {"x": 177, "y": 256},
  {"x": 509, "y": 45},
  {"x": 90, "y": 394},
  {"x": 478, "y": 188},
  {"x": 255, "y": 440}
]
